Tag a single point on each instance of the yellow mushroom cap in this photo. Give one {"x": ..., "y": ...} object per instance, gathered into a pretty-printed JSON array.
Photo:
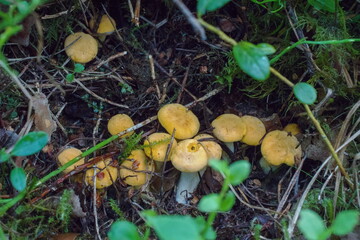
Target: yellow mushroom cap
[
  {"x": 107, "y": 25},
  {"x": 67, "y": 155},
  {"x": 158, "y": 145},
  {"x": 212, "y": 148},
  {"x": 81, "y": 47},
  {"x": 189, "y": 156},
  {"x": 279, "y": 147},
  {"x": 119, "y": 123},
  {"x": 228, "y": 128},
  {"x": 135, "y": 162},
  {"x": 255, "y": 130},
  {"x": 176, "y": 116},
  {"x": 292, "y": 128},
  {"x": 104, "y": 173}
]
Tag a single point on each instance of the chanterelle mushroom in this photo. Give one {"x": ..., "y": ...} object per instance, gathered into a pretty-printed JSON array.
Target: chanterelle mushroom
[
  {"x": 255, "y": 130},
  {"x": 81, "y": 47},
  {"x": 68, "y": 154},
  {"x": 280, "y": 147},
  {"x": 228, "y": 128},
  {"x": 176, "y": 116},
  {"x": 119, "y": 123},
  {"x": 105, "y": 174}
]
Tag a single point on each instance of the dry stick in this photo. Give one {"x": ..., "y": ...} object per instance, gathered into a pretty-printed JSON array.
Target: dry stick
[
  {"x": 303, "y": 197},
  {"x": 120, "y": 54},
  {"x": 183, "y": 84},
  {"x": 98, "y": 97},
  {"x": 153, "y": 75},
  {"x": 94, "y": 203},
  {"x": 191, "y": 19}
]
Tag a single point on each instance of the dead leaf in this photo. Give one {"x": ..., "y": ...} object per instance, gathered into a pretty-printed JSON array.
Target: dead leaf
[{"x": 43, "y": 119}]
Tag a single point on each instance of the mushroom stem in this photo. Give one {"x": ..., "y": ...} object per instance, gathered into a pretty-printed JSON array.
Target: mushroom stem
[{"x": 187, "y": 185}]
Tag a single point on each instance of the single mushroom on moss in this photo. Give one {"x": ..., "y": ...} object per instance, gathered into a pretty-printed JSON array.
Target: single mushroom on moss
[
  {"x": 105, "y": 174},
  {"x": 133, "y": 170},
  {"x": 280, "y": 147},
  {"x": 119, "y": 123},
  {"x": 156, "y": 145},
  {"x": 81, "y": 47},
  {"x": 255, "y": 130},
  {"x": 176, "y": 116},
  {"x": 68, "y": 154},
  {"x": 188, "y": 182}
]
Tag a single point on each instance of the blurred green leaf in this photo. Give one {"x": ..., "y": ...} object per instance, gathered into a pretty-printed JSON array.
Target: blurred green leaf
[
  {"x": 79, "y": 68},
  {"x": 175, "y": 227},
  {"x": 252, "y": 60},
  {"x": 210, "y": 203},
  {"x": 4, "y": 156},
  {"x": 326, "y": 5},
  {"x": 29, "y": 144},
  {"x": 123, "y": 230},
  {"x": 207, "y": 231},
  {"x": 70, "y": 77},
  {"x": 266, "y": 48},
  {"x": 311, "y": 225},
  {"x": 23, "y": 7},
  {"x": 18, "y": 178},
  {"x": 305, "y": 93},
  {"x": 239, "y": 171},
  {"x": 228, "y": 202},
  {"x": 204, "y": 6},
  {"x": 219, "y": 165},
  {"x": 345, "y": 222}
]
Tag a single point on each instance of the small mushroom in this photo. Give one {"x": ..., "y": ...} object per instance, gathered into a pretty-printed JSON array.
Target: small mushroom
[
  {"x": 105, "y": 174},
  {"x": 189, "y": 156},
  {"x": 156, "y": 147},
  {"x": 255, "y": 130},
  {"x": 229, "y": 128},
  {"x": 68, "y": 154},
  {"x": 188, "y": 182},
  {"x": 279, "y": 147},
  {"x": 176, "y": 116},
  {"x": 133, "y": 169},
  {"x": 212, "y": 148},
  {"x": 106, "y": 27},
  {"x": 81, "y": 47},
  {"x": 293, "y": 128},
  {"x": 119, "y": 123}
]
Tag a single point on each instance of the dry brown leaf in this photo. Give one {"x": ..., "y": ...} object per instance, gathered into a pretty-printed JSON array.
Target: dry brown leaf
[{"x": 43, "y": 119}]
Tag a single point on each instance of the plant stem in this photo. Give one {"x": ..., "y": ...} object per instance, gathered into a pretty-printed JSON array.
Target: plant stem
[
  {"x": 216, "y": 30},
  {"x": 11, "y": 203},
  {"x": 319, "y": 129},
  {"x": 329, "y": 146}
]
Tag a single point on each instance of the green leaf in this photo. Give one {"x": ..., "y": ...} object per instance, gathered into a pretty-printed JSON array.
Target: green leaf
[
  {"x": 326, "y": 5},
  {"x": 239, "y": 171},
  {"x": 345, "y": 222},
  {"x": 266, "y": 48},
  {"x": 311, "y": 224},
  {"x": 206, "y": 231},
  {"x": 4, "y": 156},
  {"x": 70, "y": 77},
  {"x": 23, "y": 7},
  {"x": 305, "y": 93},
  {"x": 252, "y": 60},
  {"x": 228, "y": 202},
  {"x": 79, "y": 68},
  {"x": 30, "y": 143},
  {"x": 175, "y": 227},
  {"x": 210, "y": 203},
  {"x": 18, "y": 178},
  {"x": 123, "y": 230},
  {"x": 204, "y": 6},
  {"x": 219, "y": 165}
]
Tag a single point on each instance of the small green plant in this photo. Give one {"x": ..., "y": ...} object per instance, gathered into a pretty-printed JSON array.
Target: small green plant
[
  {"x": 97, "y": 107},
  {"x": 188, "y": 227},
  {"x": 312, "y": 226},
  {"x": 29, "y": 144},
  {"x": 64, "y": 209},
  {"x": 78, "y": 68}
]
